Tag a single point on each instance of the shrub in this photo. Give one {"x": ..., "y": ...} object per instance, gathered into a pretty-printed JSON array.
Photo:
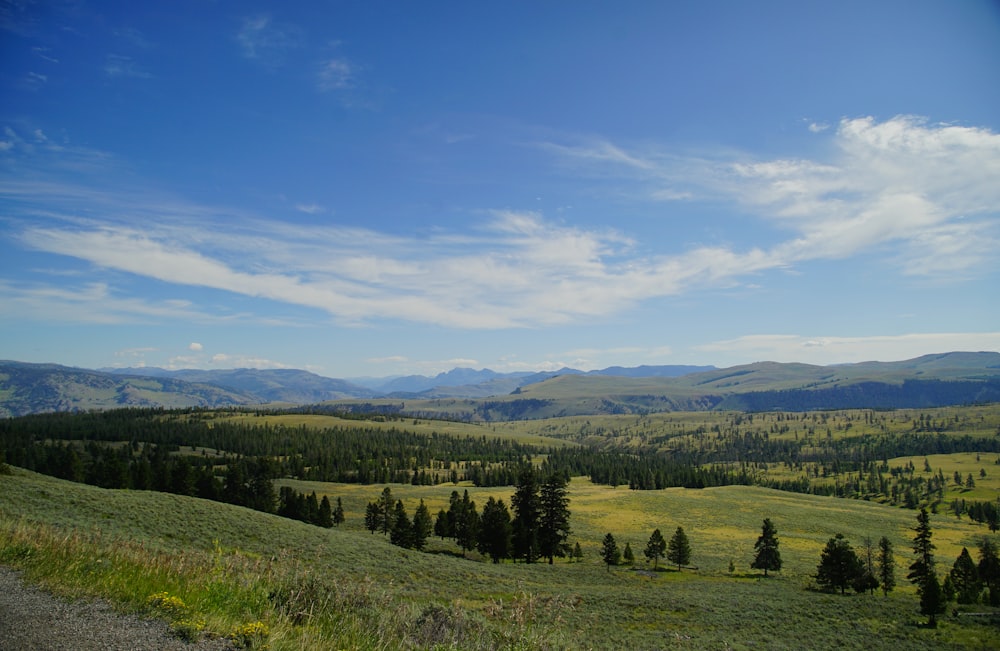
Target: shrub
[
  {"x": 250, "y": 636},
  {"x": 168, "y": 605}
]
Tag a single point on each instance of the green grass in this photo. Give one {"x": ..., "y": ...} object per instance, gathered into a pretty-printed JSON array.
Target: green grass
[
  {"x": 414, "y": 425},
  {"x": 346, "y": 588}
]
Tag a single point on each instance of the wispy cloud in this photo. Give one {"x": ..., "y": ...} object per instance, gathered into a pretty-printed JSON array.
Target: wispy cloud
[
  {"x": 335, "y": 74},
  {"x": 928, "y": 190},
  {"x": 266, "y": 41},
  {"x": 310, "y": 208},
  {"x": 92, "y": 303},
  {"x": 117, "y": 65},
  {"x": 924, "y": 195}
]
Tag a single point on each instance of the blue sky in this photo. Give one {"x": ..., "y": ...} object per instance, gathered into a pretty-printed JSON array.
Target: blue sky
[{"x": 373, "y": 189}]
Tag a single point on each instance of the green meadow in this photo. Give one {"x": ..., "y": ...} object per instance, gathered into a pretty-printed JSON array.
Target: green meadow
[{"x": 345, "y": 588}]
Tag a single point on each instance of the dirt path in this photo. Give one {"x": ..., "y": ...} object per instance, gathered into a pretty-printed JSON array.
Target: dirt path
[{"x": 31, "y": 619}]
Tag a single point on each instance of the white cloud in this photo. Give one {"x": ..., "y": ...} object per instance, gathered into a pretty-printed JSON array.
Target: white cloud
[
  {"x": 903, "y": 183},
  {"x": 335, "y": 74},
  {"x": 310, "y": 208},
  {"x": 266, "y": 41},
  {"x": 836, "y": 350},
  {"x": 195, "y": 346},
  {"x": 923, "y": 195}
]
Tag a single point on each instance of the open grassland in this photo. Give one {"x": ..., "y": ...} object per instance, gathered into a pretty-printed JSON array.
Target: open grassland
[
  {"x": 413, "y": 425},
  {"x": 677, "y": 428},
  {"x": 346, "y": 588}
]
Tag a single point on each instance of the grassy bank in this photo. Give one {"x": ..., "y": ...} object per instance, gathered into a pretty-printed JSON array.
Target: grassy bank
[{"x": 346, "y": 588}]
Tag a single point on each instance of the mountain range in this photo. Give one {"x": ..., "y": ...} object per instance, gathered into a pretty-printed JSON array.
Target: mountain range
[{"x": 927, "y": 381}]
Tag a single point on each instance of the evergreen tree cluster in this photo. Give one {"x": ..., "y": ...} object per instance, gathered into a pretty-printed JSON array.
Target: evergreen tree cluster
[
  {"x": 389, "y": 516},
  {"x": 298, "y": 506},
  {"x": 841, "y": 567},
  {"x": 535, "y": 526}
]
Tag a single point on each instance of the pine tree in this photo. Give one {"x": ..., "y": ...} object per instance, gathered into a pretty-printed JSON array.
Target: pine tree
[
  {"x": 577, "y": 552},
  {"x": 421, "y": 526},
  {"x": 838, "y": 566},
  {"x": 325, "y": 515},
  {"x": 989, "y": 570},
  {"x": 867, "y": 579},
  {"x": 655, "y": 547},
  {"x": 679, "y": 549},
  {"x": 402, "y": 529},
  {"x": 932, "y": 601},
  {"x": 965, "y": 578},
  {"x": 525, "y": 504},
  {"x": 553, "y": 523},
  {"x": 609, "y": 551},
  {"x": 441, "y": 525},
  {"x": 338, "y": 513},
  {"x": 467, "y": 524},
  {"x": 312, "y": 509},
  {"x": 495, "y": 530},
  {"x": 627, "y": 556},
  {"x": 923, "y": 567},
  {"x": 886, "y": 566},
  {"x": 373, "y": 517},
  {"x": 386, "y": 507},
  {"x": 768, "y": 557}
]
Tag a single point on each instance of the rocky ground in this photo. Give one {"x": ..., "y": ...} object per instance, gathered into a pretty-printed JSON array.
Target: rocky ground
[{"x": 32, "y": 619}]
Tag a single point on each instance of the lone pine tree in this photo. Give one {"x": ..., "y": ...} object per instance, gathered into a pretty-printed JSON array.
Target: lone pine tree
[
  {"x": 609, "y": 551},
  {"x": 768, "y": 557},
  {"x": 679, "y": 549}
]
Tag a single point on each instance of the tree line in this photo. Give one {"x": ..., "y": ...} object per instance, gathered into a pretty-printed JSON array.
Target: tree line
[{"x": 363, "y": 454}]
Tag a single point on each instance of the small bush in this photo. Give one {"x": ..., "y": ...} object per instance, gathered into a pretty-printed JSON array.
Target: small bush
[
  {"x": 250, "y": 636},
  {"x": 168, "y": 605}
]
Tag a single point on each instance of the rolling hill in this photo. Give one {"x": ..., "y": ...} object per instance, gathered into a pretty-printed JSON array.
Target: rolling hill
[
  {"x": 927, "y": 381},
  {"x": 35, "y": 388}
]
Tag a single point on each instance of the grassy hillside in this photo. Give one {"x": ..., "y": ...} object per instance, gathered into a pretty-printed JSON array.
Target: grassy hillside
[
  {"x": 925, "y": 382},
  {"x": 34, "y": 388},
  {"x": 345, "y": 588}
]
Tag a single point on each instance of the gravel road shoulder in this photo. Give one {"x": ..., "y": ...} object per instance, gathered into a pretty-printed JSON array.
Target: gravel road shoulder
[{"x": 32, "y": 619}]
